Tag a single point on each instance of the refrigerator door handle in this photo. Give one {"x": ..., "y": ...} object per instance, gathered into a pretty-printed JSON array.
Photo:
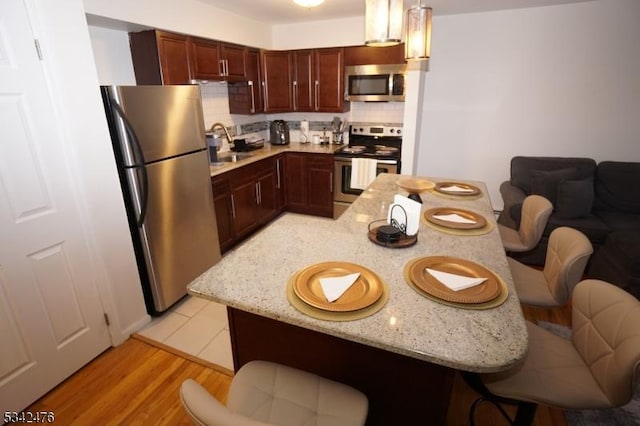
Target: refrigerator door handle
[{"x": 138, "y": 154}]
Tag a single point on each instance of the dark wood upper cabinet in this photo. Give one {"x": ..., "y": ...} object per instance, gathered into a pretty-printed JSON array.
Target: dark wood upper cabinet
[
  {"x": 329, "y": 80},
  {"x": 246, "y": 97},
  {"x": 303, "y": 84},
  {"x": 234, "y": 61},
  {"x": 205, "y": 59},
  {"x": 367, "y": 55},
  {"x": 160, "y": 57},
  {"x": 276, "y": 81},
  {"x": 214, "y": 60}
]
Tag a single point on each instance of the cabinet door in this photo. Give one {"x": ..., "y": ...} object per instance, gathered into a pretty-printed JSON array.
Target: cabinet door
[
  {"x": 329, "y": 80},
  {"x": 320, "y": 185},
  {"x": 224, "y": 212},
  {"x": 253, "y": 80},
  {"x": 267, "y": 208},
  {"x": 235, "y": 58},
  {"x": 276, "y": 81},
  {"x": 205, "y": 59},
  {"x": 173, "y": 53},
  {"x": 244, "y": 197},
  {"x": 295, "y": 186},
  {"x": 303, "y": 85},
  {"x": 246, "y": 97}
]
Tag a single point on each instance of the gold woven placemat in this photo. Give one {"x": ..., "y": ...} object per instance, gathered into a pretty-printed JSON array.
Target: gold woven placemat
[
  {"x": 499, "y": 300},
  {"x": 462, "y": 232},
  {"x": 456, "y": 197},
  {"x": 335, "y": 316}
]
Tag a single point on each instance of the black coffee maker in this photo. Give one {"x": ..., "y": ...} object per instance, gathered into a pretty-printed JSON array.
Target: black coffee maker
[{"x": 279, "y": 132}]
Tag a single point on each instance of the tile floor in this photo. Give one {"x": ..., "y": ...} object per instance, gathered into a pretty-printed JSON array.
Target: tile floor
[{"x": 195, "y": 326}]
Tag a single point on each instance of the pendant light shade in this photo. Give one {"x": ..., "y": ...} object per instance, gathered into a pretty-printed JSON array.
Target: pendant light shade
[
  {"x": 383, "y": 21},
  {"x": 418, "y": 33},
  {"x": 308, "y": 3}
]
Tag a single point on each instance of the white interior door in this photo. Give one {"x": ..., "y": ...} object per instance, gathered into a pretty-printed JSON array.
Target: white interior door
[{"x": 51, "y": 318}]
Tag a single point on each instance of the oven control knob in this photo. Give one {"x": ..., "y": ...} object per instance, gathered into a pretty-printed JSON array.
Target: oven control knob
[
  {"x": 399, "y": 131},
  {"x": 392, "y": 130}
]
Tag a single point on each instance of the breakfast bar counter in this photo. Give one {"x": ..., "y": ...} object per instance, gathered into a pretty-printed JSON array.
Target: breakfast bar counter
[{"x": 413, "y": 338}]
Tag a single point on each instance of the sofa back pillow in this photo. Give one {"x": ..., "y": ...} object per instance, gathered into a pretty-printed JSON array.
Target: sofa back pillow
[
  {"x": 522, "y": 168},
  {"x": 575, "y": 198},
  {"x": 618, "y": 187},
  {"x": 546, "y": 182}
]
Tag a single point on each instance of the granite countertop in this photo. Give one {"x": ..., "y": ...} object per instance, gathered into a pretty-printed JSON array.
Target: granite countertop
[
  {"x": 270, "y": 150},
  {"x": 253, "y": 278}
]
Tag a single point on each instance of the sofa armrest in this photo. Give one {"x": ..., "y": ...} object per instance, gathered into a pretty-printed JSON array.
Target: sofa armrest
[{"x": 512, "y": 198}]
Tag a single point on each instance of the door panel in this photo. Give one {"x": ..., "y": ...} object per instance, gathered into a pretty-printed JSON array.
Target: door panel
[
  {"x": 168, "y": 121},
  {"x": 51, "y": 318},
  {"x": 180, "y": 227}
]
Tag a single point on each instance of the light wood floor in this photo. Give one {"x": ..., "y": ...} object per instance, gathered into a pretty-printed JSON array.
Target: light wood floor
[{"x": 137, "y": 383}]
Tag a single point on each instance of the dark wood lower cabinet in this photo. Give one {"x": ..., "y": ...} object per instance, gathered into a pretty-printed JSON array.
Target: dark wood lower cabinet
[
  {"x": 224, "y": 212},
  {"x": 247, "y": 198},
  {"x": 401, "y": 390},
  {"x": 309, "y": 183}
]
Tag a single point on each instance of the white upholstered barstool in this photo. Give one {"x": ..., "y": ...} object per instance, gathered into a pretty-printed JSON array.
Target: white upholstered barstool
[
  {"x": 568, "y": 252},
  {"x": 535, "y": 214},
  {"x": 266, "y": 393},
  {"x": 597, "y": 368}
]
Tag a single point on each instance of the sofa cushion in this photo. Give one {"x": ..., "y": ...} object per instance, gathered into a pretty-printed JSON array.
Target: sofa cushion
[
  {"x": 545, "y": 182},
  {"x": 523, "y": 166},
  {"x": 591, "y": 226},
  {"x": 575, "y": 198},
  {"x": 618, "y": 187},
  {"x": 617, "y": 221}
]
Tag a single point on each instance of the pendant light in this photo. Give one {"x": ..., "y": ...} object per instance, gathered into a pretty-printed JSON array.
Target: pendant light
[
  {"x": 383, "y": 22},
  {"x": 308, "y": 3},
  {"x": 418, "y": 33}
]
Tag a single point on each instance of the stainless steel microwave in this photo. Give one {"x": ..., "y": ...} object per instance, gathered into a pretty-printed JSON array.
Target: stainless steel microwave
[{"x": 375, "y": 83}]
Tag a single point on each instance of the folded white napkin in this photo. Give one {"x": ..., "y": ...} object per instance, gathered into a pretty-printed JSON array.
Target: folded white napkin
[
  {"x": 453, "y": 281},
  {"x": 412, "y": 208},
  {"x": 363, "y": 172},
  {"x": 453, "y": 218},
  {"x": 335, "y": 287},
  {"x": 456, "y": 188}
]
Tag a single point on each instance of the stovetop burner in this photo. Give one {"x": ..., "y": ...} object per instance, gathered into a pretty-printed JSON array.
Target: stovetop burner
[{"x": 380, "y": 142}]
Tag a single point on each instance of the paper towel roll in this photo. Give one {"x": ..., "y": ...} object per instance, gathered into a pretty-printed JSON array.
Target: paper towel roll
[{"x": 304, "y": 127}]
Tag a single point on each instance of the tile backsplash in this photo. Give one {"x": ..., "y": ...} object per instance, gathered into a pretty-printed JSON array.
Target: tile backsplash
[{"x": 215, "y": 107}]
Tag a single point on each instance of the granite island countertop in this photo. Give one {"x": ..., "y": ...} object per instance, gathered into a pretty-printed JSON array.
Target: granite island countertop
[{"x": 253, "y": 278}]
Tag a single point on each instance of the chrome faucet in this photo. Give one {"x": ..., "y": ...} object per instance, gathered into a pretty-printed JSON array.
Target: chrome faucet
[{"x": 226, "y": 132}]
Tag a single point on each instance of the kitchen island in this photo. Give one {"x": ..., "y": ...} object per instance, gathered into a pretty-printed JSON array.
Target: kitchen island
[{"x": 404, "y": 356}]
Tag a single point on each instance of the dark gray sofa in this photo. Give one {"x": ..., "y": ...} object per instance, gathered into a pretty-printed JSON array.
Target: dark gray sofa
[{"x": 600, "y": 200}]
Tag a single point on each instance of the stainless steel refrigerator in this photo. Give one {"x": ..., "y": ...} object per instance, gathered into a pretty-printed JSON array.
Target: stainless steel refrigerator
[{"x": 159, "y": 145}]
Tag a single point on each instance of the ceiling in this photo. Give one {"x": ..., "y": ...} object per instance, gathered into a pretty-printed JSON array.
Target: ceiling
[{"x": 285, "y": 11}]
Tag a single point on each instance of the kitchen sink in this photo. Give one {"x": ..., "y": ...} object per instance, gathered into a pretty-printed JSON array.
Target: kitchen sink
[{"x": 233, "y": 157}]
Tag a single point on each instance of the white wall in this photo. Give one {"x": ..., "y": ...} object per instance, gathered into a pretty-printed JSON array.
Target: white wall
[
  {"x": 315, "y": 34},
  {"x": 62, "y": 30},
  {"x": 112, "y": 56},
  {"x": 185, "y": 16},
  {"x": 559, "y": 80}
]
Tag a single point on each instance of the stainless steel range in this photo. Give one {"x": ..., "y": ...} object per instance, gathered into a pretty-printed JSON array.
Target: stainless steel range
[{"x": 382, "y": 143}]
